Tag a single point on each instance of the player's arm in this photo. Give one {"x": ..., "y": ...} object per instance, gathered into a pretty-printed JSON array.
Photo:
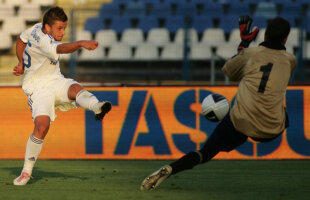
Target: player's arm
[
  {"x": 20, "y": 47},
  {"x": 73, "y": 46}
]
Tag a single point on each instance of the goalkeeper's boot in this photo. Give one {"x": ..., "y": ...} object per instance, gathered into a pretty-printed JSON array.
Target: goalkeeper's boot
[
  {"x": 22, "y": 179},
  {"x": 153, "y": 180},
  {"x": 102, "y": 109}
]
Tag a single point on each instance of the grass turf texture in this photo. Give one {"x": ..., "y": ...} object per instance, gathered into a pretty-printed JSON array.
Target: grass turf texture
[{"x": 114, "y": 179}]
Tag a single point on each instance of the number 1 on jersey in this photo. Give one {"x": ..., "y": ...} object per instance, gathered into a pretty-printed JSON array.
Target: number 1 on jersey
[{"x": 266, "y": 69}]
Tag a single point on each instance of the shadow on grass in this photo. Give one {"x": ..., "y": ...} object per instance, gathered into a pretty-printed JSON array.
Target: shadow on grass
[{"x": 43, "y": 175}]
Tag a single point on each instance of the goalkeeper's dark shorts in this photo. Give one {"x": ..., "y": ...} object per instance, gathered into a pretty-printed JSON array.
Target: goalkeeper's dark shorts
[{"x": 226, "y": 138}]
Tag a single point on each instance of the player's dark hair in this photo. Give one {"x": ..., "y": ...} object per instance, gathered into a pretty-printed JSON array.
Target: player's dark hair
[
  {"x": 277, "y": 30},
  {"x": 53, "y": 14}
]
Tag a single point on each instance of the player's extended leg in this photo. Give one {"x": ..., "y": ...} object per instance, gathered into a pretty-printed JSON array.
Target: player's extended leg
[
  {"x": 224, "y": 138},
  {"x": 88, "y": 101},
  {"x": 33, "y": 148}
]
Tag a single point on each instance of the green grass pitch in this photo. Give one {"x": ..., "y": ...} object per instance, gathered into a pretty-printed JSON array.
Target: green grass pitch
[{"x": 121, "y": 179}]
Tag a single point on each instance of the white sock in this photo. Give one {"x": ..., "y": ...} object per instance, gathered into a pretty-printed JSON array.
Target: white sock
[
  {"x": 33, "y": 149},
  {"x": 87, "y": 100}
]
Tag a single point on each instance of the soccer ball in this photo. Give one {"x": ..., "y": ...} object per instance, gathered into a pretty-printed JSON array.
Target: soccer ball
[{"x": 215, "y": 107}]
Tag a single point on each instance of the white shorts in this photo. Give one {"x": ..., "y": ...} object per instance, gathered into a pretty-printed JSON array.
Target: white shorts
[{"x": 49, "y": 96}]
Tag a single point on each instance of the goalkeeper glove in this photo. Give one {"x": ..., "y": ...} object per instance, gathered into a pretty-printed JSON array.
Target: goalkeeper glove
[{"x": 247, "y": 37}]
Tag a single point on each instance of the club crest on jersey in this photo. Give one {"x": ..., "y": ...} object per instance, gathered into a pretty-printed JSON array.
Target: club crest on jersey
[{"x": 54, "y": 62}]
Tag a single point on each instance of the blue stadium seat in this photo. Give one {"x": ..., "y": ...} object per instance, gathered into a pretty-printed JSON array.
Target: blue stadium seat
[
  {"x": 169, "y": 2},
  {"x": 174, "y": 23},
  {"x": 186, "y": 9},
  {"x": 303, "y": 2},
  {"x": 200, "y": 23},
  {"x": 148, "y": 1},
  {"x": 195, "y": 2},
  {"x": 160, "y": 10},
  {"x": 228, "y": 23},
  {"x": 108, "y": 10},
  {"x": 94, "y": 24},
  {"x": 238, "y": 8},
  {"x": 119, "y": 24},
  {"x": 266, "y": 9},
  {"x": 147, "y": 23},
  {"x": 307, "y": 24},
  {"x": 291, "y": 19},
  {"x": 282, "y": 1},
  {"x": 291, "y": 10},
  {"x": 134, "y": 9},
  {"x": 255, "y": 2},
  {"x": 199, "y": 6},
  {"x": 213, "y": 9},
  {"x": 260, "y": 22},
  {"x": 120, "y": 2}
]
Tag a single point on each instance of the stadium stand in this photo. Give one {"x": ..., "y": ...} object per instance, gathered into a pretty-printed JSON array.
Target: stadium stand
[
  {"x": 134, "y": 10},
  {"x": 106, "y": 38},
  {"x": 293, "y": 38},
  {"x": 174, "y": 23},
  {"x": 234, "y": 37},
  {"x": 200, "y": 51},
  {"x": 30, "y": 12},
  {"x": 6, "y": 41},
  {"x": 226, "y": 51},
  {"x": 95, "y": 55},
  {"x": 132, "y": 37},
  {"x": 201, "y": 23},
  {"x": 6, "y": 10},
  {"x": 120, "y": 24},
  {"x": 172, "y": 52},
  {"x": 146, "y": 52},
  {"x": 307, "y": 50},
  {"x": 14, "y": 25},
  {"x": 17, "y": 2},
  {"x": 43, "y": 3},
  {"x": 266, "y": 9},
  {"x": 228, "y": 23},
  {"x": 94, "y": 24},
  {"x": 83, "y": 35},
  {"x": 119, "y": 51},
  {"x": 237, "y": 8},
  {"x": 180, "y": 34},
  {"x": 213, "y": 37},
  {"x": 148, "y": 30},
  {"x": 212, "y": 9},
  {"x": 147, "y": 23},
  {"x": 158, "y": 37}
]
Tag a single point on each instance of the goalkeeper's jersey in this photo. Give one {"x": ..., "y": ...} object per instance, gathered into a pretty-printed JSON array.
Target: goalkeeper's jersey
[
  {"x": 40, "y": 57},
  {"x": 264, "y": 73}
]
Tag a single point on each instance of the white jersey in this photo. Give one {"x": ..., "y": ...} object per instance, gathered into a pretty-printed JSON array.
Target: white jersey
[{"x": 40, "y": 58}]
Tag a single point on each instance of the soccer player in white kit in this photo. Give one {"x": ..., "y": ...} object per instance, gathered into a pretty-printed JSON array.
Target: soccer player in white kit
[{"x": 38, "y": 50}]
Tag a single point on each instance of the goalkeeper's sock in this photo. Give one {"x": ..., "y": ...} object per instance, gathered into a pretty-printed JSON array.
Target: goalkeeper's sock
[
  {"x": 87, "y": 100},
  {"x": 186, "y": 162},
  {"x": 33, "y": 149}
]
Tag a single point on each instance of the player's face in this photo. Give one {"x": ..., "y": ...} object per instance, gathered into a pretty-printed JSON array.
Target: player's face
[{"x": 57, "y": 30}]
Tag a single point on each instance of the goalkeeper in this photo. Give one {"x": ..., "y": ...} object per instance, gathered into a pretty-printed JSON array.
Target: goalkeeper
[{"x": 258, "y": 112}]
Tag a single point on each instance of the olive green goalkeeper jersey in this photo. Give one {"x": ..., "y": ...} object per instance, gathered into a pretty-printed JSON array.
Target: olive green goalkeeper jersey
[{"x": 264, "y": 73}]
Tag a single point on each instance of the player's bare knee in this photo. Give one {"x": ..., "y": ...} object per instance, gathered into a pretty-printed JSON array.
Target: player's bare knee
[
  {"x": 73, "y": 90},
  {"x": 41, "y": 126},
  {"x": 40, "y": 130}
]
